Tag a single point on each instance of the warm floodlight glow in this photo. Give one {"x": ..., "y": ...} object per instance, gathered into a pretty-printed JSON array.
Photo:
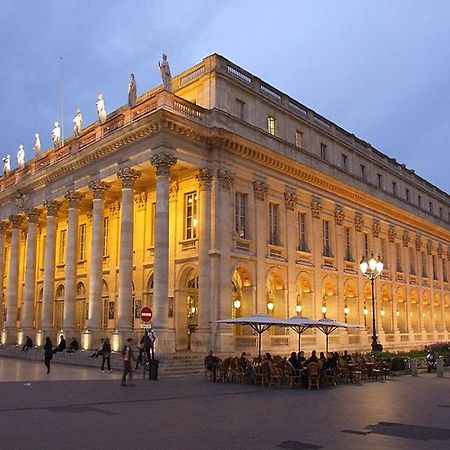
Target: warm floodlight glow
[
  {"x": 299, "y": 309},
  {"x": 270, "y": 305},
  {"x": 346, "y": 310},
  {"x": 237, "y": 303}
]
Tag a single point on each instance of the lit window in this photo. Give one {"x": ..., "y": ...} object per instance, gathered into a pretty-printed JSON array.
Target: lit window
[
  {"x": 302, "y": 236},
  {"x": 272, "y": 125},
  {"x": 348, "y": 244},
  {"x": 241, "y": 220},
  {"x": 298, "y": 139},
  {"x": 62, "y": 246},
  {"x": 190, "y": 208},
  {"x": 274, "y": 238},
  {"x": 106, "y": 236},
  {"x": 82, "y": 242}
]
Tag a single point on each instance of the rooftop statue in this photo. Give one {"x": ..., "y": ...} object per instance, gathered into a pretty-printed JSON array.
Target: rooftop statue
[
  {"x": 132, "y": 89},
  {"x": 37, "y": 144},
  {"x": 56, "y": 135},
  {"x": 77, "y": 122},
  {"x": 165, "y": 73},
  {"x": 101, "y": 111},
  {"x": 6, "y": 165},
  {"x": 21, "y": 157}
]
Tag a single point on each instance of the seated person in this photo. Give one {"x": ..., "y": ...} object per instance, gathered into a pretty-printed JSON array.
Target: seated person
[
  {"x": 312, "y": 358},
  {"x": 28, "y": 344},
  {"x": 98, "y": 352},
  {"x": 243, "y": 362},
  {"x": 301, "y": 358},
  {"x": 269, "y": 357},
  {"x": 347, "y": 357},
  {"x": 211, "y": 363},
  {"x": 61, "y": 346},
  {"x": 73, "y": 346},
  {"x": 294, "y": 361}
]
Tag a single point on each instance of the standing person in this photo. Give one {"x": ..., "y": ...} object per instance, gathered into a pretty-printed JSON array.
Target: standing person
[
  {"x": 128, "y": 356},
  {"x": 151, "y": 339},
  {"x": 106, "y": 354},
  {"x": 48, "y": 353}
]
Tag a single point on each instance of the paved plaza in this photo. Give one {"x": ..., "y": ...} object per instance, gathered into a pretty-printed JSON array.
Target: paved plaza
[{"x": 75, "y": 408}]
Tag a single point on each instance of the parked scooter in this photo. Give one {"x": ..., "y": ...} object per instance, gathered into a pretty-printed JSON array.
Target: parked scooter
[{"x": 431, "y": 361}]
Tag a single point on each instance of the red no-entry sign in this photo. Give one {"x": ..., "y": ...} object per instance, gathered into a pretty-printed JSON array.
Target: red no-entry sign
[{"x": 146, "y": 314}]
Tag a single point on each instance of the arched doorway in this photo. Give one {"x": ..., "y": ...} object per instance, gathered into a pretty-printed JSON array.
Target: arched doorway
[
  {"x": 438, "y": 319},
  {"x": 414, "y": 311},
  {"x": 276, "y": 300},
  {"x": 329, "y": 306},
  {"x": 351, "y": 307},
  {"x": 426, "y": 312},
  {"x": 447, "y": 311},
  {"x": 186, "y": 314},
  {"x": 241, "y": 298},
  {"x": 59, "y": 308},
  {"x": 305, "y": 301},
  {"x": 81, "y": 307},
  {"x": 386, "y": 310},
  {"x": 38, "y": 309}
]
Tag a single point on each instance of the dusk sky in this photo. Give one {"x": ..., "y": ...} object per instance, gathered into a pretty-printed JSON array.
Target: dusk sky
[{"x": 379, "y": 69}]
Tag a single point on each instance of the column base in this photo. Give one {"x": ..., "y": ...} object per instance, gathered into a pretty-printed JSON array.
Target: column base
[
  {"x": 90, "y": 339},
  {"x": 9, "y": 336},
  {"x": 165, "y": 341},
  {"x": 201, "y": 341},
  {"x": 119, "y": 339}
]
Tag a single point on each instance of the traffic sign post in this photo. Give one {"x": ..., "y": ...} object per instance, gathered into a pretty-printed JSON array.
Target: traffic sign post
[{"x": 146, "y": 314}]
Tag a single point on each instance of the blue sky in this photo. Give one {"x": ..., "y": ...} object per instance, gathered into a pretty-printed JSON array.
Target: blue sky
[{"x": 379, "y": 69}]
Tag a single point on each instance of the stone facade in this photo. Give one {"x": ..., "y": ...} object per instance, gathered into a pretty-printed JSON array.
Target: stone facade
[{"x": 224, "y": 190}]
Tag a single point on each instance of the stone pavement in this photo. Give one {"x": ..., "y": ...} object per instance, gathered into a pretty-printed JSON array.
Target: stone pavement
[{"x": 77, "y": 408}]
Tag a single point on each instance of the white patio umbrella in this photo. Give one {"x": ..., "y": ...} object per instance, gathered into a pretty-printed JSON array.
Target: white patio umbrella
[
  {"x": 258, "y": 322},
  {"x": 327, "y": 326},
  {"x": 300, "y": 324}
]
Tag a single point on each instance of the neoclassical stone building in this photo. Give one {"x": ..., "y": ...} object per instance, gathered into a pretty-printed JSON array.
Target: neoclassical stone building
[{"x": 224, "y": 198}]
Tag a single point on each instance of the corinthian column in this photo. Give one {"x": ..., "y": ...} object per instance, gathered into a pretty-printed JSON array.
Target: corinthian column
[
  {"x": 162, "y": 162},
  {"x": 128, "y": 177},
  {"x": 70, "y": 275},
  {"x": 3, "y": 227},
  {"x": 201, "y": 338},
  {"x": 49, "y": 268},
  {"x": 98, "y": 189},
  {"x": 13, "y": 281},
  {"x": 30, "y": 273}
]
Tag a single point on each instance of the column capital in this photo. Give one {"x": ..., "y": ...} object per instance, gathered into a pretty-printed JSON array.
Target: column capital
[
  {"x": 32, "y": 215},
  {"x": 128, "y": 176},
  {"x": 204, "y": 177},
  {"x": 226, "y": 179},
  {"x": 163, "y": 162},
  {"x": 376, "y": 228},
  {"x": 98, "y": 189},
  {"x": 418, "y": 242},
  {"x": 74, "y": 198},
  {"x": 339, "y": 215},
  {"x": 260, "y": 189},
  {"x": 392, "y": 234},
  {"x": 290, "y": 200},
  {"x": 3, "y": 227},
  {"x": 359, "y": 221},
  {"x": 316, "y": 207},
  {"x": 16, "y": 221},
  {"x": 52, "y": 207}
]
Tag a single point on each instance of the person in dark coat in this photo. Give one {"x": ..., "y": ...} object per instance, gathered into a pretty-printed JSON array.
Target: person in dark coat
[
  {"x": 28, "y": 344},
  {"x": 48, "y": 353},
  {"x": 106, "y": 355},
  {"x": 128, "y": 356},
  {"x": 61, "y": 346}
]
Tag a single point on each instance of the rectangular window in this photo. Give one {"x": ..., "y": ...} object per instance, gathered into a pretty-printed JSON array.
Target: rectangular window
[
  {"x": 380, "y": 180},
  {"x": 366, "y": 245},
  {"x": 348, "y": 244},
  {"x": 240, "y": 108},
  {"x": 430, "y": 207},
  {"x": 241, "y": 215},
  {"x": 302, "y": 235},
  {"x": 62, "y": 246},
  {"x": 398, "y": 255},
  {"x": 106, "y": 236},
  {"x": 344, "y": 161},
  {"x": 444, "y": 270},
  {"x": 412, "y": 261},
  {"x": 190, "y": 215},
  {"x": 435, "y": 274},
  {"x": 363, "y": 171},
  {"x": 298, "y": 139},
  {"x": 384, "y": 254},
  {"x": 424, "y": 265},
  {"x": 272, "y": 125},
  {"x": 274, "y": 238},
  {"x": 326, "y": 238},
  {"x": 419, "y": 201},
  {"x": 82, "y": 242},
  {"x": 407, "y": 195},
  {"x": 152, "y": 224},
  {"x": 323, "y": 150},
  {"x": 440, "y": 212},
  {"x": 394, "y": 187}
]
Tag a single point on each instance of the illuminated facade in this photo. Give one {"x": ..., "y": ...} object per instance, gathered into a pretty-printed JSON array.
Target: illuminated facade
[{"x": 225, "y": 197}]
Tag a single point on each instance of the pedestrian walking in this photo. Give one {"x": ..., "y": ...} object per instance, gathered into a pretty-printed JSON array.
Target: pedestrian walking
[
  {"x": 48, "y": 353},
  {"x": 128, "y": 356},
  {"x": 106, "y": 354}
]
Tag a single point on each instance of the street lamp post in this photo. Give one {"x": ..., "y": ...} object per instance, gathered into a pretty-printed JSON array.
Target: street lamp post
[{"x": 372, "y": 270}]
